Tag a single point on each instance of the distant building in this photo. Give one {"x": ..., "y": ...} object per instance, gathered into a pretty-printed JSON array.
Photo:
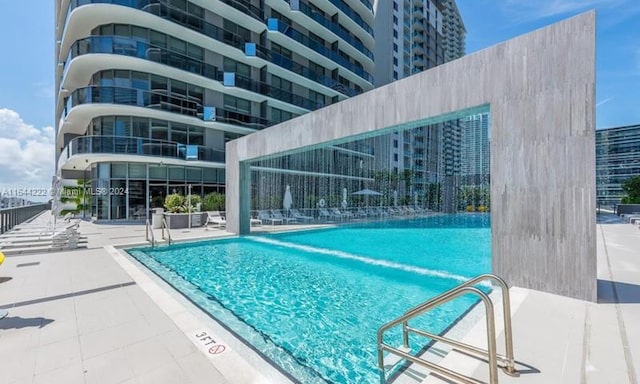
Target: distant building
[{"x": 617, "y": 159}]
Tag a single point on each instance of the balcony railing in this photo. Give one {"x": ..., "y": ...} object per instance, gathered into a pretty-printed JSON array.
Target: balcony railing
[
  {"x": 178, "y": 16},
  {"x": 127, "y": 46},
  {"x": 353, "y": 15},
  {"x": 161, "y": 101},
  {"x": 140, "y": 146},
  {"x": 332, "y": 26},
  {"x": 282, "y": 27}
]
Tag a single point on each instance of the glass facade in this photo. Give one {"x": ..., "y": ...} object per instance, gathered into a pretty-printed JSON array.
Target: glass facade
[
  {"x": 617, "y": 159},
  {"x": 154, "y": 129}
]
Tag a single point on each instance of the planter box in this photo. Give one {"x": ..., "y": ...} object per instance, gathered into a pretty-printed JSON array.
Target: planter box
[{"x": 181, "y": 220}]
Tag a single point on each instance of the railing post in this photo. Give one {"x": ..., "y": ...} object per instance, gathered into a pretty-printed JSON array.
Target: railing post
[{"x": 405, "y": 334}]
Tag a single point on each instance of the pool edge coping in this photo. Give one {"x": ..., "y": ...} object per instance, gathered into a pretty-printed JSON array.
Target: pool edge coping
[{"x": 189, "y": 319}]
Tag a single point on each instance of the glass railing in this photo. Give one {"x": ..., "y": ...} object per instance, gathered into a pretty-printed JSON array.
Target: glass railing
[
  {"x": 161, "y": 9},
  {"x": 333, "y": 27},
  {"x": 127, "y": 46},
  {"x": 141, "y": 146},
  {"x": 282, "y": 27},
  {"x": 159, "y": 100},
  {"x": 291, "y": 65},
  {"x": 353, "y": 15}
]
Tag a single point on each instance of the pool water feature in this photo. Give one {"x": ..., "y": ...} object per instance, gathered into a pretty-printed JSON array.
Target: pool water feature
[{"x": 312, "y": 301}]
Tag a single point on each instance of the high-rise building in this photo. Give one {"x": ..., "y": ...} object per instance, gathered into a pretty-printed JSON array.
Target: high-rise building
[
  {"x": 149, "y": 91},
  {"x": 415, "y": 36},
  {"x": 474, "y": 148},
  {"x": 617, "y": 159}
]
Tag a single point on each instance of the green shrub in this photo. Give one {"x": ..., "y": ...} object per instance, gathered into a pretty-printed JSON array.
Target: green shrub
[
  {"x": 213, "y": 201},
  {"x": 174, "y": 203},
  {"x": 194, "y": 199}
]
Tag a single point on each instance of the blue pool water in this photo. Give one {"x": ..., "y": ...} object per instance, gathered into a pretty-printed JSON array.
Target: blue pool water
[{"x": 312, "y": 301}]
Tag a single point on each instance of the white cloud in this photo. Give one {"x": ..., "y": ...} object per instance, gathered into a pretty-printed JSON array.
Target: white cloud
[{"x": 26, "y": 153}]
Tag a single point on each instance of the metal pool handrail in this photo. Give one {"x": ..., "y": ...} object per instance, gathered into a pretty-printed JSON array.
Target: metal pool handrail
[
  {"x": 165, "y": 226},
  {"x": 147, "y": 230},
  {"x": 490, "y": 354}
]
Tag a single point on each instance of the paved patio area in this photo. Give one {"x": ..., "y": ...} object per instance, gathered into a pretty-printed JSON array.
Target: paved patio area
[{"x": 90, "y": 316}]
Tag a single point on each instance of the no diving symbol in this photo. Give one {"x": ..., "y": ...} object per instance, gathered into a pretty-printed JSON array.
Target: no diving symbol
[{"x": 217, "y": 349}]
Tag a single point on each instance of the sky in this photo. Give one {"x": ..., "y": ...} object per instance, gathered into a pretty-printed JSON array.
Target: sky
[{"x": 27, "y": 69}]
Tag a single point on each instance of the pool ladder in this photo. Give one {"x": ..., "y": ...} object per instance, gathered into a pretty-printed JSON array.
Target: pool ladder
[
  {"x": 165, "y": 226},
  {"x": 149, "y": 234},
  {"x": 508, "y": 362}
]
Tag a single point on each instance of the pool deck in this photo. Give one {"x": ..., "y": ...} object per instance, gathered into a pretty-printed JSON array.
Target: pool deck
[{"x": 93, "y": 316}]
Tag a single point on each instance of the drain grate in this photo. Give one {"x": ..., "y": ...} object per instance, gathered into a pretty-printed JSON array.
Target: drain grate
[{"x": 28, "y": 264}]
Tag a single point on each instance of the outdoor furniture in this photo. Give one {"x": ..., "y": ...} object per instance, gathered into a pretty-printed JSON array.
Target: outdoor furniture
[
  {"x": 276, "y": 214},
  {"x": 296, "y": 214},
  {"x": 267, "y": 217},
  {"x": 214, "y": 217}
]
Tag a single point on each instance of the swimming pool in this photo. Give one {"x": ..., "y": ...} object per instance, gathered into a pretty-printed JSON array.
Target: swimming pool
[{"x": 312, "y": 301}]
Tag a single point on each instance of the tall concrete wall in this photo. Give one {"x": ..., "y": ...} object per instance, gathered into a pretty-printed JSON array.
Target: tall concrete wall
[{"x": 540, "y": 89}]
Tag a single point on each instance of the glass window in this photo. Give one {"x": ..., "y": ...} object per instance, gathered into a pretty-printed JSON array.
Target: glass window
[
  {"x": 159, "y": 130},
  {"x": 178, "y": 88},
  {"x": 177, "y": 45},
  {"x": 194, "y": 174},
  {"x": 195, "y": 51},
  {"x": 180, "y": 4},
  {"x": 196, "y": 135},
  {"x": 281, "y": 83},
  {"x": 158, "y": 83},
  {"x": 209, "y": 174},
  {"x": 122, "y": 79},
  {"x": 106, "y": 30},
  {"x": 140, "y": 80},
  {"x": 157, "y": 172},
  {"x": 281, "y": 50},
  {"x": 159, "y": 39},
  {"x": 121, "y": 30},
  {"x": 137, "y": 171},
  {"x": 140, "y": 33},
  {"x": 317, "y": 97},
  {"x": 237, "y": 104},
  {"x": 179, "y": 133},
  {"x": 107, "y": 126},
  {"x": 119, "y": 170},
  {"x": 140, "y": 127},
  {"x": 123, "y": 126},
  {"x": 317, "y": 68},
  {"x": 196, "y": 94},
  {"x": 176, "y": 173}
]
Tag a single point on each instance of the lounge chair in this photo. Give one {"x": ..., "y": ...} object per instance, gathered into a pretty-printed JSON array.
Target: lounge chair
[
  {"x": 336, "y": 212},
  {"x": 267, "y": 217},
  {"x": 214, "y": 217},
  {"x": 296, "y": 214},
  {"x": 276, "y": 214},
  {"x": 323, "y": 213}
]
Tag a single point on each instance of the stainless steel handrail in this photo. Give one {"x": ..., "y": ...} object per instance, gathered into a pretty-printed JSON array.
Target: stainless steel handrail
[
  {"x": 148, "y": 229},
  {"x": 165, "y": 226},
  {"x": 490, "y": 353}
]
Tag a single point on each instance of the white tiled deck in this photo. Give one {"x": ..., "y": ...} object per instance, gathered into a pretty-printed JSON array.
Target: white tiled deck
[{"x": 90, "y": 316}]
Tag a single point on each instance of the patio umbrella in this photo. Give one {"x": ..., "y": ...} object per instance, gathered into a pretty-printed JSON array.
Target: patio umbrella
[
  {"x": 288, "y": 200},
  {"x": 395, "y": 198},
  {"x": 367, "y": 192},
  {"x": 344, "y": 198},
  {"x": 415, "y": 199}
]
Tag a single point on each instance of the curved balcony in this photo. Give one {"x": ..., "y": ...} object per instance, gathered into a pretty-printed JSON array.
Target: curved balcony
[
  {"x": 119, "y": 45},
  {"x": 282, "y": 27},
  {"x": 138, "y": 146},
  {"x": 241, "y": 5},
  {"x": 353, "y": 15},
  {"x": 332, "y": 26},
  {"x": 178, "y": 16},
  {"x": 160, "y": 101}
]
